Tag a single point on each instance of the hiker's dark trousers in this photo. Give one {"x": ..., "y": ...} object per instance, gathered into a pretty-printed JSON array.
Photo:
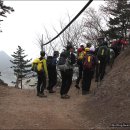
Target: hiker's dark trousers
[
  {"x": 66, "y": 81},
  {"x": 52, "y": 75},
  {"x": 80, "y": 74},
  {"x": 87, "y": 77},
  {"x": 102, "y": 68},
  {"x": 41, "y": 85}
]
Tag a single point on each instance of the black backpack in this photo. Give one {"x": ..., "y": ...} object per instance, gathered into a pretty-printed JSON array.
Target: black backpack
[
  {"x": 102, "y": 52},
  {"x": 50, "y": 62},
  {"x": 117, "y": 46}
]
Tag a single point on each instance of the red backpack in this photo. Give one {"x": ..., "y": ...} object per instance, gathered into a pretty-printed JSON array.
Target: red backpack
[{"x": 88, "y": 62}]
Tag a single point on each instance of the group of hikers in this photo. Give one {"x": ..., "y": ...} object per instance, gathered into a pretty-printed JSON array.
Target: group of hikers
[{"x": 91, "y": 62}]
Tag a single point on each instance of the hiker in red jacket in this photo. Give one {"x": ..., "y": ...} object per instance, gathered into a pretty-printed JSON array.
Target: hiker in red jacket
[{"x": 119, "y": 45}]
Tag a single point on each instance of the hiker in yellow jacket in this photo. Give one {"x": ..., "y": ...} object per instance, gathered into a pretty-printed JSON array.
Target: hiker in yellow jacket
[{"x": 39, "y": 65}]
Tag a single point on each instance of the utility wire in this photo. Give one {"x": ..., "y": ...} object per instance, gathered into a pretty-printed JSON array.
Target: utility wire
[{"x": 89, "y": 2}]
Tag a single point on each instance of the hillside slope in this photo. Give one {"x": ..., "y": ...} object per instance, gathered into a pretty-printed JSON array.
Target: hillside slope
[{"x": 110, "y": 107}]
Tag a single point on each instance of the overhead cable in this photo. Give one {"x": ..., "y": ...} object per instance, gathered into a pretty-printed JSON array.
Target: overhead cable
[{"x": 89, "y": 2}]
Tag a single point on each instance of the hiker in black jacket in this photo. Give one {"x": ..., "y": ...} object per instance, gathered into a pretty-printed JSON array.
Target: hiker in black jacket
[
  {"x": 67, "y": 73},
  {"x": 103, "y": 54},
  {"x": 52, "y": 71}
]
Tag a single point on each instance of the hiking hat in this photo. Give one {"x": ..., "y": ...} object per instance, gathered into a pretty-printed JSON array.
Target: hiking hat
[
  {"x": 80, "y": 50},
  {"x": 87, "y": 49},
  {"x": 92, "y": 48},
  {"x": 56, "y": 53},
  {"x": 42, "y": 53},
  {"x": 88, "y": 45},
  {"x": 69, "y": 47},
  {"x": 105, "y": 43},
  {"x": 82, "y": 46}
]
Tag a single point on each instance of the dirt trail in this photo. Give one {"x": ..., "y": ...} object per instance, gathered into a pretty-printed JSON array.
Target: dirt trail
[{"x": 22, "y": 109}]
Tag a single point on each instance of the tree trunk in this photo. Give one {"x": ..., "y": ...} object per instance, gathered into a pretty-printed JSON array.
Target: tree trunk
[
  {"x": 21, "y": 84},
  {"x": 17, "y": 81}
]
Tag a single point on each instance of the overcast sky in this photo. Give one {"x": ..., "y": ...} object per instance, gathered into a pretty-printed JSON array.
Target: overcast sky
[{"x": 29, "y": 19}]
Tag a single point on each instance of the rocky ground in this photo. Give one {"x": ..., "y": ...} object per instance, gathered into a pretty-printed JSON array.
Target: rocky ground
[{"x": 106, "y": 107}]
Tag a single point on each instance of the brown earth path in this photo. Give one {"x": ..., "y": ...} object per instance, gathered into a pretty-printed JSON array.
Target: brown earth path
[{"x": 22, "y": 109}]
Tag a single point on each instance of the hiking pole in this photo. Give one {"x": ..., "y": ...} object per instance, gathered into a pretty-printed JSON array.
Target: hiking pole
[
  {"x": 97, "y": 85},
  {"x": 77, "y": 90},
  {"x": 94, "y": 92}
]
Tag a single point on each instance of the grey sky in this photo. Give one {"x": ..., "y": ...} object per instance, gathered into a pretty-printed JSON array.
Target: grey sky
[{"x": 22, "y": 26}]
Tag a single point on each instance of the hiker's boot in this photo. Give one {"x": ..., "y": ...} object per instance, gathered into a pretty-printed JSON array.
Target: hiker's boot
[
  {"x": 41, "y": 95},
  {"x": 52, "y": 91},
  {"x": 77, "y": 86},
  {"x": 88, "y": 92},
  {"x": 85, "y": 92},
  {"x": 48, "y": 88},
  {"x": 65, "y": 96},
  {"x": 38, "y": 94}
]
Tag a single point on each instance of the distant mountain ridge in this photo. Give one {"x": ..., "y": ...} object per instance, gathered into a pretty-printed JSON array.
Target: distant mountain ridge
[{"x": 6, "y": 71}]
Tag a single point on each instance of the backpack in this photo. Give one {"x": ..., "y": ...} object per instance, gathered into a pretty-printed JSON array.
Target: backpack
[
  {"x": 81, "y": 55},
  {"x": 37, "y": 65},
  {"x": 102, "y": 52},
  {"x": 63, "y": 63},
  {"x": 88, "y": 63},
  {"x": 117, "y": 46},
  {"x": 51, "y": 63},
  {"x": 112, "y": 53}
]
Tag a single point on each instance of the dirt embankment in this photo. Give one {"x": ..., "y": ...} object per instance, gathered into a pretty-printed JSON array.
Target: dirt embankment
[{"x": 111, "y": 104}]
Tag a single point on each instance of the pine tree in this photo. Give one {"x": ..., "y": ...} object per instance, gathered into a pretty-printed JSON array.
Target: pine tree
[
  {"x": 119, "y": 17},
  {"x": 20, "y": 65},
  {"x": 4, "y": 9}
]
